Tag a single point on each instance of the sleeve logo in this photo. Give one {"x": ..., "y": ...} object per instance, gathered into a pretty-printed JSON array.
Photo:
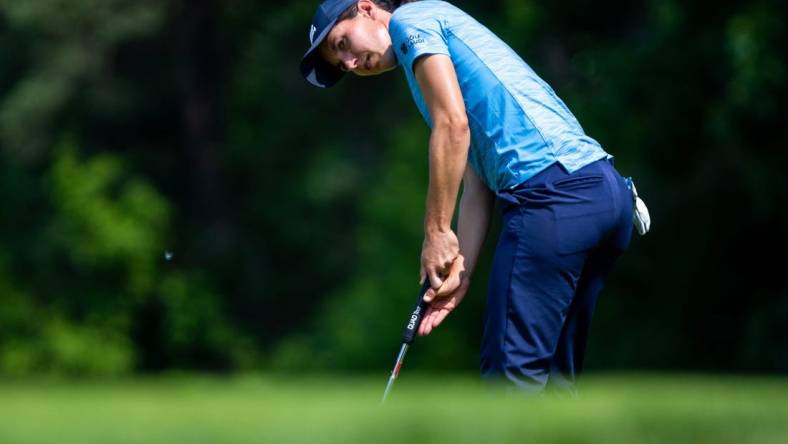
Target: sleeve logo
[{"x": 415, "y": 39}]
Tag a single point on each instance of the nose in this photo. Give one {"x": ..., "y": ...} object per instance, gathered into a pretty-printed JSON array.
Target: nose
[{"x": 349, "y": 62}]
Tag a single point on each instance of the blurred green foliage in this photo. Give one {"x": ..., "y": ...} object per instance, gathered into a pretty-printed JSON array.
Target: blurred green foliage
[{"x": 174, "y": 195}]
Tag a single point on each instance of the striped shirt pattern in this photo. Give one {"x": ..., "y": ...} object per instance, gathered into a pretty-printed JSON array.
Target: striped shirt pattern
[{"x": 518, "y": 124}]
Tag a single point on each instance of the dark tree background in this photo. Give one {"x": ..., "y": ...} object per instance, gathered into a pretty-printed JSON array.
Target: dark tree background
[{"x": 175, "y": 196}]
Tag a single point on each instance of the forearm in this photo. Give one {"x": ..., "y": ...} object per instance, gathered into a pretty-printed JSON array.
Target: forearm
[
  {"x": 472, "y": 225},
  {"x": 448, "y": 154}
]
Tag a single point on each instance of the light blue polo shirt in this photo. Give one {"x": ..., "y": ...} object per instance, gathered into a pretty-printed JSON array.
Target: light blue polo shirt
[{"x": 518, "y": 125}]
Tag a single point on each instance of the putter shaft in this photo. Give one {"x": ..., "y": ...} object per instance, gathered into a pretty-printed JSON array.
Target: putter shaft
[
  {"x": 395, "y": 372},
  {"x": 409, "y": 335}
]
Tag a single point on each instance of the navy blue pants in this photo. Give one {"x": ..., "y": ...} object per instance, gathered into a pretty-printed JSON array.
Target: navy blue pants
[{"x": 561, "y": 235}]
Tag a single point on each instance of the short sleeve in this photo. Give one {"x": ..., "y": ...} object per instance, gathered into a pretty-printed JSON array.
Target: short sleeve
[{"x": 412, "y": 39}]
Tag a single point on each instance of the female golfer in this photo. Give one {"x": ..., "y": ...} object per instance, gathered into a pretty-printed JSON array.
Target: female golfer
[{"x": 500, "y": 130}]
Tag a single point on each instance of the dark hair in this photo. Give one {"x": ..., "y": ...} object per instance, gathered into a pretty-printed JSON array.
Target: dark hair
[{"x": 387, "y": 5}]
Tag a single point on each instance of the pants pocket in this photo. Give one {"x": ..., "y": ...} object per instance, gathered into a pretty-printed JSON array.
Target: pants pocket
[{"x": 574, "y": 182}]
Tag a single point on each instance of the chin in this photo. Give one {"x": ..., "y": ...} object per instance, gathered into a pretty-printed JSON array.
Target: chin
[
  {"x": 374, "y": 72},
  {"x": 388, "y": 68}
]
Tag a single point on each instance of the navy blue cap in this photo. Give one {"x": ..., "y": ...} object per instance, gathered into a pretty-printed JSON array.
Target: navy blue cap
[{"x": 314, "y": 69}]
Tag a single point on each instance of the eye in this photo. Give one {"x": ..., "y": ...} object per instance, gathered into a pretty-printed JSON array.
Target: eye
[{"x": 342, "y": 44}]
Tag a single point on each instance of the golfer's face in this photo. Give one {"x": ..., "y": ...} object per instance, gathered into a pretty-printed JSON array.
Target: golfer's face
[{"x": 360, "y": 45}]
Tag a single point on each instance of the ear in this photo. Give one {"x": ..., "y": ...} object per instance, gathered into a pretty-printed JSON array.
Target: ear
[{"x": 365, "y": 7}]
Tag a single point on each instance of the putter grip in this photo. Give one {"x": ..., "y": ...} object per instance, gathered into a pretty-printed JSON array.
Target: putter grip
[{"x": 415, "y": 318}]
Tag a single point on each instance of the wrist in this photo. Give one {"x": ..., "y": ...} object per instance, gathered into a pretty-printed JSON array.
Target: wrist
[
  {"x": 436, "y": 221},
  {"x": 436, "y": 229}
]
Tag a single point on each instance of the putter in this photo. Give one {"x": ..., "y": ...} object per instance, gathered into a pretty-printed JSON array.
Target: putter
[{"x": 408, "y": 335}]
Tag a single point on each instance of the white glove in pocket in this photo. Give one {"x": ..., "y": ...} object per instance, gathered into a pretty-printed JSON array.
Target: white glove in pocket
[{"x": 640, "y": 216}]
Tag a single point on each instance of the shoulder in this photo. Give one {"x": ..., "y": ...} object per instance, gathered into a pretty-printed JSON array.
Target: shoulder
[
  {"x": 422, "y": 12},
  {"x": 418, "y": 6}
]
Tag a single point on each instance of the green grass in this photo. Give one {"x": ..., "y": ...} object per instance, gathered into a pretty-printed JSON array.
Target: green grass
[{"x": 421, "y": 409}]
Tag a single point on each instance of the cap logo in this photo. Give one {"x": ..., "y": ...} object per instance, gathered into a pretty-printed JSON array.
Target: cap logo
[{"x": 312, "y": 31}]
